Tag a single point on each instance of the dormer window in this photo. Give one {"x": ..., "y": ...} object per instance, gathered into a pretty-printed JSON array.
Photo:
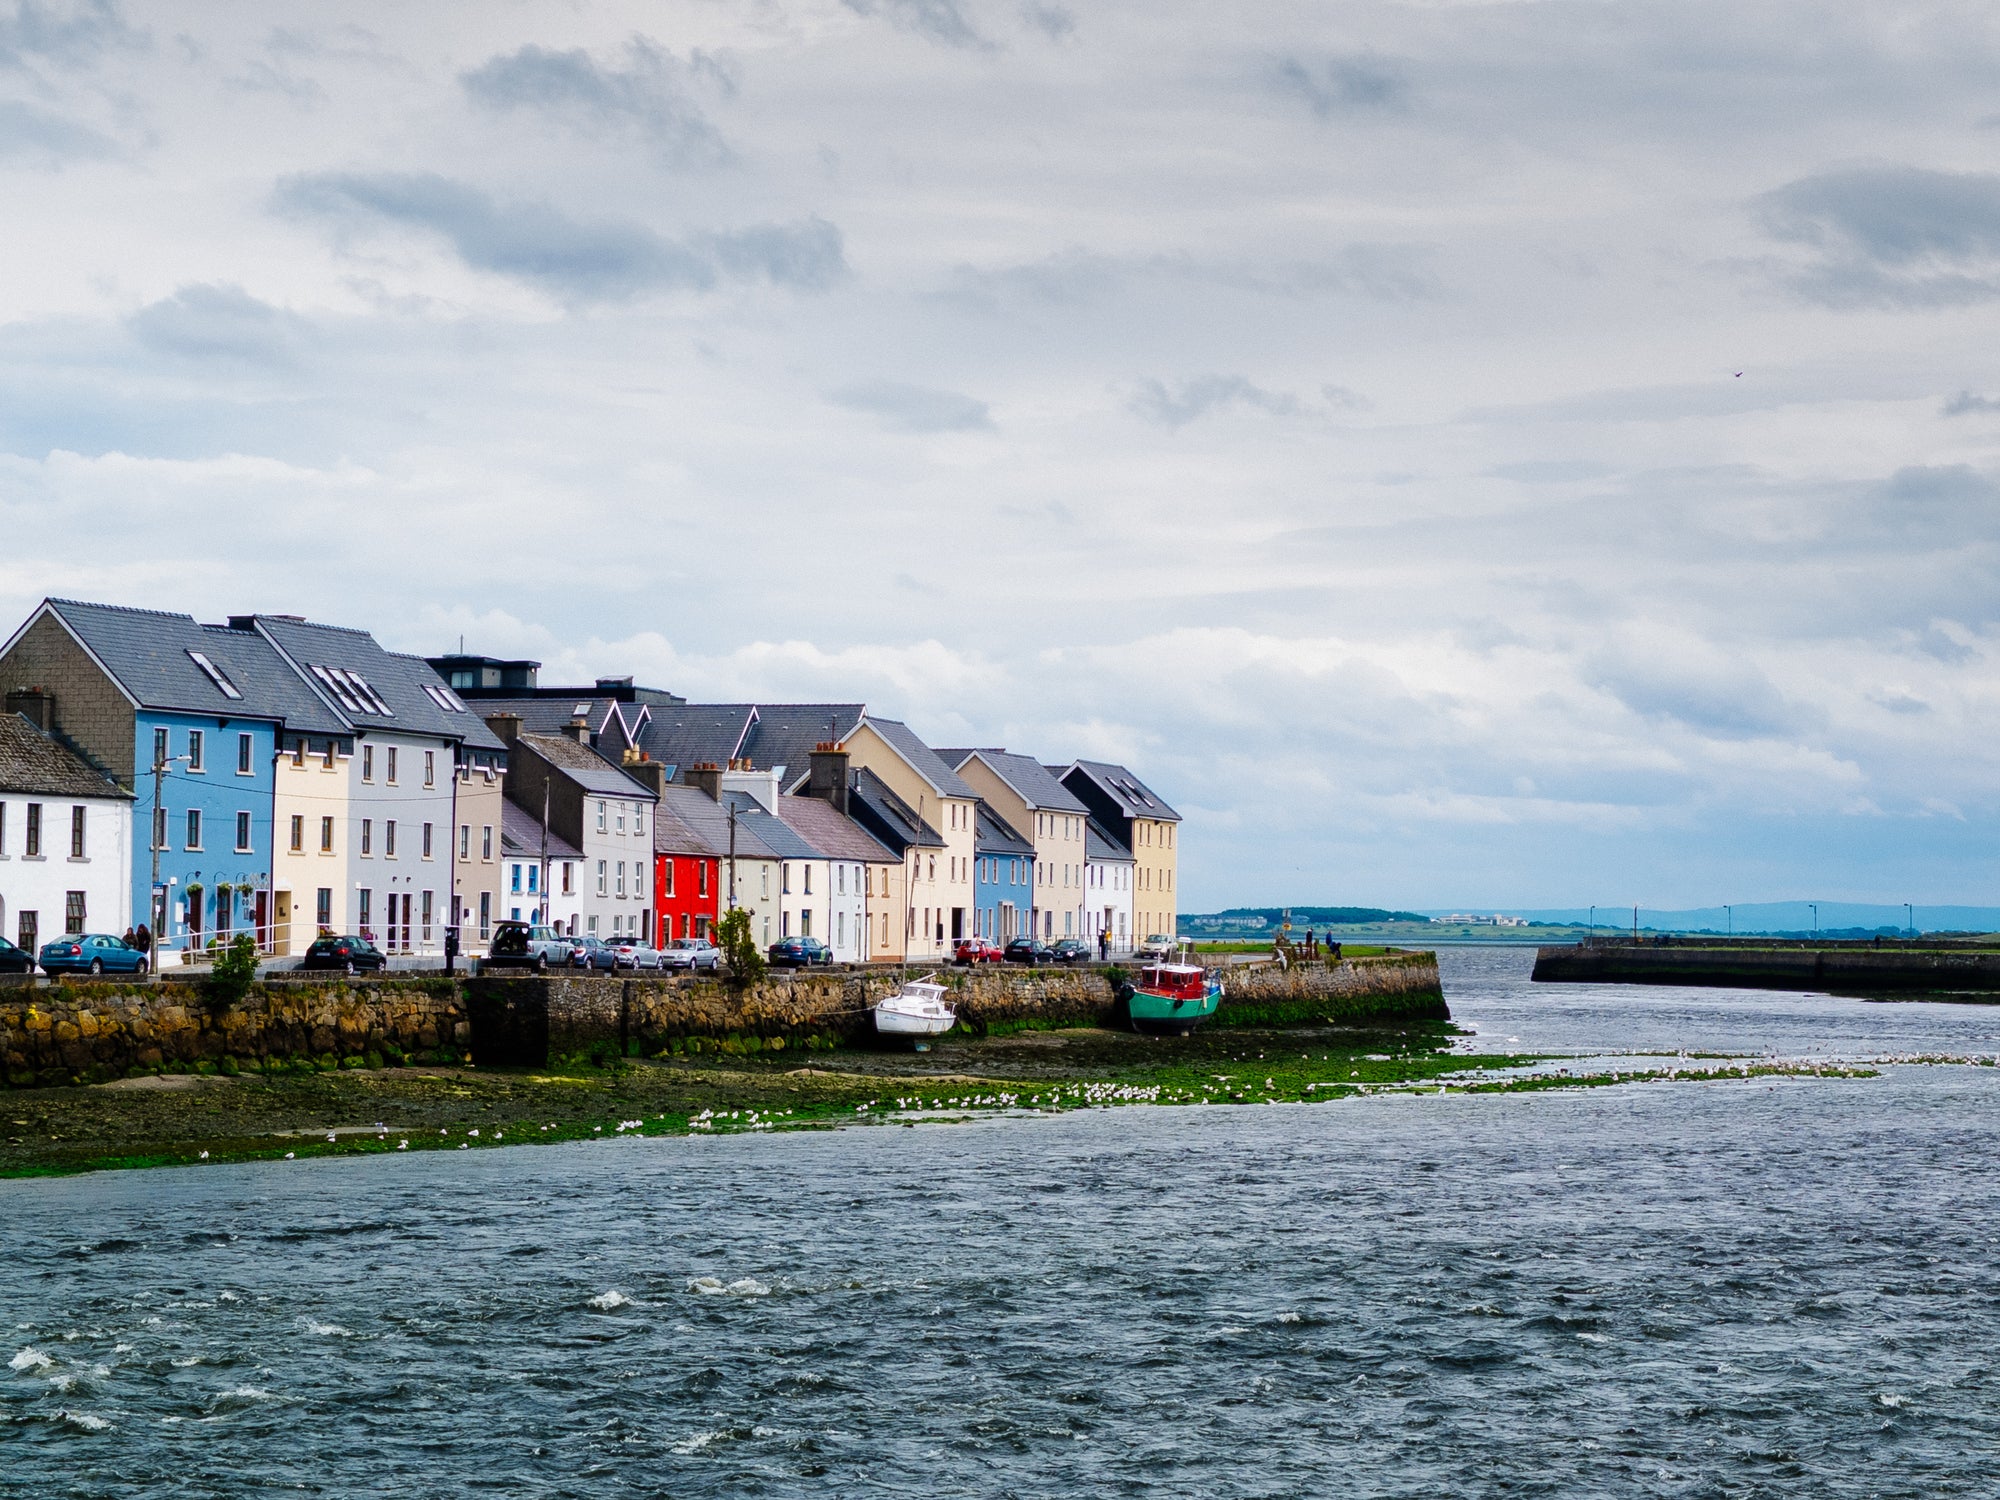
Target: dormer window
[{"x": 215, "y": 675}]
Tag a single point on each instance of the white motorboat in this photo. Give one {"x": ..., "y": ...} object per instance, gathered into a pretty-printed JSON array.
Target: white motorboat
[{"x": 917, "y": 1010}]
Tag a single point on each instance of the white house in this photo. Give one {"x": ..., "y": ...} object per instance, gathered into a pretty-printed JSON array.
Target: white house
[
  {"x": 1107, "y": 879},
  {"x": 65, "y": 840}
]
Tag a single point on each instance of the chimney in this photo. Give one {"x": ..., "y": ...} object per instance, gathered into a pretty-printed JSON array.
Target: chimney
[
  {"x": 650, "y": 774},
  {"x": 35, "y": 704},
  {"x": 707, "y": 776},
  {"x": 577, "y": 729},
  {"x": 828, "y": 779},
  {"x": 507, "y": 726}
]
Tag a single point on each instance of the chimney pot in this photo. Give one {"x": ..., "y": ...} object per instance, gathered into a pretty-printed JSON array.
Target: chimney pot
[
  {"x": 707, "y": 776},
  {"x": 35, "y": 704},
  {"x": 578, "y": 729},
  {"x": 828, "y": 779},
  {"x": 506, "y": 726}
]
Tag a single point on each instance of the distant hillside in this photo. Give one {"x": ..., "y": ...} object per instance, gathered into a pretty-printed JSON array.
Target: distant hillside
[{"x": 1270, "y": 918}]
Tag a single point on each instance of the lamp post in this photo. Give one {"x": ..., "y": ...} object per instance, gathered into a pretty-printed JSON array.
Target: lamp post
[
  {"x": 1815, "y": 911},
  {"x": 1909, "y": 919},
  {"x": 1729, "y": 920},
  {"x": 156, "y": 835}
]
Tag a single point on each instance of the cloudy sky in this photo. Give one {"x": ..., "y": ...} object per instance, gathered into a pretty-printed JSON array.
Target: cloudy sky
[{"x": 1503, "y": 454}]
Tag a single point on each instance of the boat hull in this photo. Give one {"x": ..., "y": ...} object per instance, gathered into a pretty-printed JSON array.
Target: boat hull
[
  {"x": 1170, "y": 1016},
  {"x": 895, "y": 1023}
]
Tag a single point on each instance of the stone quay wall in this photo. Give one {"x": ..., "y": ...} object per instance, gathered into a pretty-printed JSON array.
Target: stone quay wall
[
  {"x": 86, "y": 1032},
  {"x": 1843, "y": 970}
]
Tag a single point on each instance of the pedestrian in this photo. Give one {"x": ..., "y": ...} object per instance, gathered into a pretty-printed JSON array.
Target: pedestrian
[
  {"x": 1103, "y": 944},
  {"x": 1312, "y": 949},
  {"x": 131, "y": 938},
  {"x": 143, "y": 938}
]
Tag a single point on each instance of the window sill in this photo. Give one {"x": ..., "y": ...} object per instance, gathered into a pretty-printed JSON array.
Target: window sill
[
  {"x": 79, "y": 859},
  {"x": 35, "y": 859}
]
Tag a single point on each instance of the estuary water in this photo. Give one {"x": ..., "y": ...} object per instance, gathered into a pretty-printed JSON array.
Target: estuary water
[{"x": 1732, "y": 1288}]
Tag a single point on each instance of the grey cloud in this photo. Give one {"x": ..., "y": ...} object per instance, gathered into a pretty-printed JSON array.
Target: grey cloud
[
  {"x": 1205, "y": 394},
  {"x": 938, "y": 20},
  {"x": 649, "y": 96},
  {"x": 1386, "y": 273},
  {"x": 1340, "y": 398},
  {"x": 1898, "y": 702},
  {"x": 915, "y": 408},
  {"x": 1890, "y": 235},
  {"x": 215, "y": 322},
  {"x": 600, "y": 261},
  {"x": 70, "y": 35},
  {"x": 1053, "y": 21},
  {"x": 1724, "y": 698},
  {"x": 1343, "y": 85},
  {"x": 1965, "y": 403},
  {"x": 30, "y": 134}
]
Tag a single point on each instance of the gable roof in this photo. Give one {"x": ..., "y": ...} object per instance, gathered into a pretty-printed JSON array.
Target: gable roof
[
  {"x": 585, "y": 766},
  {"x": 691, "y": 734},
  {"x": 709, "y": 821},
  {"x": 832, "y": 832},
  {"x": 548, "y": 715},
  {"x": 369, "y": 687},
  {"x": 768, "y": 735},
  {"x": 772, "y": 831},
  {"x": 673, "y": 834},
  {"x": 1026, "y": 777},
  {"x": 783, "y": 734},
  {"x": 521, "y": 834},
  {"x": 920, "y": 758},
  {"x": 35, "y": 762},
  {"x": 1104, "y": 847},
  {"x": 993, "y": 834},
  {"x": 149, "y": 653},
  {"x": 1114, "y": 792},
  {"x": 887, "y": 817}
]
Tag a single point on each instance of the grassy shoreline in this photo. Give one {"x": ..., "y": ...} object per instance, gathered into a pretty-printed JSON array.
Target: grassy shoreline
[{"x": 187, "y": 1120}]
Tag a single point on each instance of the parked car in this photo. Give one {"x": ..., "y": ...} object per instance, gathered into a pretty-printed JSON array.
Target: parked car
[
  {"x": 693, "y": 954},
  {"x": 589, "y": 952},
  {"x": 975, "y": 951},
  {"x": 350, "y": 954},
  {"x": 92, "y": 953},
  {"x": 633, "y": 952},
  {"x": 1072, "y": 951},
  {"x": 1027, "y": 950},
  {"x": 518, "y": 944},
  {"x": 799, "y": 952},
  {"x": 15, "y": 960},
  {"x": 1155, "y": 946}
]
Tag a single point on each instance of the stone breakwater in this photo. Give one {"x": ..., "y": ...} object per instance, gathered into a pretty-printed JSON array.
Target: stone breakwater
[
  {"x": 1865, "y": 970},
  {"x": 89, "y": 1032}
]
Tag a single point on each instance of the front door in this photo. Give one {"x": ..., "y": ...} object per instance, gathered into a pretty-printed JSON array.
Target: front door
[
  {"x": 263, "y": 920},
  {"x": 281, "y": 924}
]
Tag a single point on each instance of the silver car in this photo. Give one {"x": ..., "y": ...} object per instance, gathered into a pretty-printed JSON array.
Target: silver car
[
  {"x": 696, "y": 955},
  {"x": 633, "y": 953}
]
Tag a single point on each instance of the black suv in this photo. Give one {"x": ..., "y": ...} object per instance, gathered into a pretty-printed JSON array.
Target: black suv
[
  {"x": 1072, "y": 951},
  {"x": 350, "y": 954},
  {"x": 800, "y": 952},
  {"x": 1027, "y": 950}
]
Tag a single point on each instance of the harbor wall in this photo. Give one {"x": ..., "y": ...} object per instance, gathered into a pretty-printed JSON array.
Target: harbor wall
[
  {"x": 1866, "y": 970},
  {"x": 89, "y": 1031}
]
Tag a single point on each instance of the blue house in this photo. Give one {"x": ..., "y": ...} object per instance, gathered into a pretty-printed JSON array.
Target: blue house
[
  {"x": 188, "y": 718},
  {"x": 1003, "y": 870}
]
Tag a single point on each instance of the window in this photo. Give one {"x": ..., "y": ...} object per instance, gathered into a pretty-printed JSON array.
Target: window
[
  {"x": 214, "y": 674},
  {"x": 246, "y": 765},
  {"x": 639, "y": 879},
  {"x": 785, "y": 879},
  {"x": 76, "y": 826},
  {"x": 638, "y": 817},
  {"x": 367, "y": 837},
  {"x": 73, "y": 911},
  {"x": 840, "y": 879},
  {"x": 299, "y": 752},
  {"x": 194, "y": 750},
  {"x": 465, "y": 841},
  {"x": 621, "y": 878},
  {"x": 486, "y": 842},
  {"x": 593, "y": 927},
  {"x": 808, "y": 872},
  {"x": 194, "y": 828},
  {"x": 425, "y": 907},
  {"x": 392, "y": 765},
  {"x": 364, "y": 909},
  {"x": 298, "y": 841},
  {"x": 701, "y": 877},
  {"x": 601, "y": 880},
  {"x": 600, "y": 817},
  {"x": 389, "y": 835},
  {"x": 159, "y": 747},
  {"x": 243, "y": 833},
  {"x": 329, "y": 755},
  {"x": 569, "y": 875},
  {"x": 534, "y": 872},
  {"x": 326, "y": 835},
  {"x": 430, "y": 768},
  {"x": 621, "y": 817},
  {"x": 667, "y": 878},
  {"x": 427, "y": 841},
  {"x": 367, "y": 762},
  {"x": 3, "y": 830},
  {"x": 159, "y": 828},
  {"x": 516, "y": 886},
  {"x": 323, "y": 907}
]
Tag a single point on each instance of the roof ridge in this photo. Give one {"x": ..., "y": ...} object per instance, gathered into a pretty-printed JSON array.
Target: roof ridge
[{"x": 124, "y": 609}]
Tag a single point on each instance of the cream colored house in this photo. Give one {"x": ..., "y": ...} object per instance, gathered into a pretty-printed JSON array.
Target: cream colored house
[
  {"x": 1142, "y": 821},
  {"x": 1048, "y": 814},
  {"x": 939, "y": 896},
  {"x": 309, "y": 875},
  {"x": 478, "y": 817}
]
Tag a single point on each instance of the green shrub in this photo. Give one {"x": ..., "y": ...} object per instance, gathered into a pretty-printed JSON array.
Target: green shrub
[
  {"x": 228, "y": 1067},
  {"x": 235, "y": 972},
  {"x": 739, "y": 948},
  {"x": 352, "y": 1063},
  {"x": 372, "y": 1060}
]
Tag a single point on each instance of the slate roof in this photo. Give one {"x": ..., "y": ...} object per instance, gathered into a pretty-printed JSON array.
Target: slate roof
[
  {"x": 1104, "y": 847},
  {"x": 710, "y": 821},
  {"x": 324, "y": 654},
  {"x": 888, "y": 817},
  {"x": 689, "y": 734},
  {"x": 1112, "y": 791},
  {"x": 768, "y": 735},
  {"x": 585, "y": 766},
  {"x": 146, "y": 652},
  {"x": 1028, "y": 777},
  {"x": 923, "y": 760},
  {"x": 40, "y": 766},
  {"x": 772, "y": 831},
  {"x": 673, "y": 834},
  {"x": 832, "y": 832},
  {"x": 993, "y": 834},
  {"x": 521, "y": 834},
  {"x": 547, "y": 715},
  {"x": 784, "y": 734}
]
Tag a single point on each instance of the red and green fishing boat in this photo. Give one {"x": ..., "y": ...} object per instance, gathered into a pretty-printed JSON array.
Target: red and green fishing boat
[{"x": 1171, "y": 997}]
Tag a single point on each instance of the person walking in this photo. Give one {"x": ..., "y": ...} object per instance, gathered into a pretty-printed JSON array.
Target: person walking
[{"x": 1103, "y": 944}]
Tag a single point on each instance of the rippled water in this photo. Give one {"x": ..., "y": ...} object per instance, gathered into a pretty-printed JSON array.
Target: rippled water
[{"x": 1689, "y": 1289}]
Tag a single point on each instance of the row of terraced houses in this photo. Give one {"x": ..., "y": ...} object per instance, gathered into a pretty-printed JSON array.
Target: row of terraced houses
[{"x": 283, "y": 778}]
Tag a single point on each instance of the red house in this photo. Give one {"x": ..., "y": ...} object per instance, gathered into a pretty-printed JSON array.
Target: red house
[{"x": 687, "y": 864}]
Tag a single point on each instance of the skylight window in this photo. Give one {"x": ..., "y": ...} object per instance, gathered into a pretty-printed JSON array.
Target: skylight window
[
  {"x": 222, "y": 684},
  {"x": 339, "y": 689},
  {"x": 444, "y": 698}
]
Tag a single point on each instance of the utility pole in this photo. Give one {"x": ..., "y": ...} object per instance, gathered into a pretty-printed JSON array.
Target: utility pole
[
  {"x": 1815, "y": 911},
  {"x": 545, "y": 849},
  {"x": 1909, "y": 919},
  {"x": 155, "y": 835},
  {"x": 1729, "y": 920},
  {"x": 732, "y": 856}
]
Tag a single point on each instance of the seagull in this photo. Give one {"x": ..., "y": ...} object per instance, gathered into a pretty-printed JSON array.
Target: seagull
[{"x": 1739, "y": 374}]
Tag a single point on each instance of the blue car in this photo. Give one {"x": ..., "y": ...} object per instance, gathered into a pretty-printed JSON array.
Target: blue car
[{"x": 92, "y": 953}]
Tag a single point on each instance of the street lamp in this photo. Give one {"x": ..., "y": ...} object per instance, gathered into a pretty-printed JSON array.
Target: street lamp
[
  {"x": 1729, "y": 919},
  {"x": 157, "y": 836},
  {"x": 1815, "y": 911},
  {"x": 1909, "y": 919}
]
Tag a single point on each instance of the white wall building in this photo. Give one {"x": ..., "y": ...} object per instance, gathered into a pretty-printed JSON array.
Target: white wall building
[
  {"x": 1108, "y": 881},
  {"x": 65, "y": 841}
]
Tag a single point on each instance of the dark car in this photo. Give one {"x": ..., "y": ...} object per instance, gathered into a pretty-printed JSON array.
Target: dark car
[
  {"x": 799, "y": 952},
  {"x": 974, "y": 951},
  {"x": 92, "y": 953},
  {"x": 1072, "y": 951},
  {"x": 692, "y": 954},
  {"x": 349, "y": 954},
  {"x": 1027, "y": 950},
  {"x": 15, "y": 960},
  {"x": 526, "y": 945},
  {"x": 589, "y": 952}
]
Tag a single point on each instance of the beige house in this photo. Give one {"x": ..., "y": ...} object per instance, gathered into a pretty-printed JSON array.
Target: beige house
[
  {"x": 1021, "y": 790},
  {"x": 480, "y": 797},
  {"x": 938, "y": 877},
  {"x": 1143, "y": 822},
  {"x": 309, "y": 880}
]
